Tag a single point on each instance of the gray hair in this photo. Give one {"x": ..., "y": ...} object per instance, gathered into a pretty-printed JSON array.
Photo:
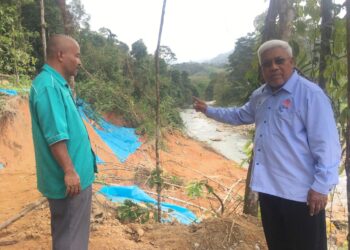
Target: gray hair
[{"x": 271, "y": 44}]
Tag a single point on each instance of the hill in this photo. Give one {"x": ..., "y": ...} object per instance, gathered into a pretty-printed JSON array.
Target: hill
[
  {"x": 200, "y": 74},
  {"x": 220, "y": 60}
]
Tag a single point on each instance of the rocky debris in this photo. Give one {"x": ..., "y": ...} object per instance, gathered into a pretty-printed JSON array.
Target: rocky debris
[
  {"x": 102, "y": 210},
  {"x": 135, "y": 231}
]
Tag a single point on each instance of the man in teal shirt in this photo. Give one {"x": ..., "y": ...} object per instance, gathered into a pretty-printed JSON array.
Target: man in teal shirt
[{"x": 65, "y": 162}]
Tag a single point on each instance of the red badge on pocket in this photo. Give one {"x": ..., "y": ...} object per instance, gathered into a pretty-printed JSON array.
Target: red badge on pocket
[{"x": 287, "y": 103}]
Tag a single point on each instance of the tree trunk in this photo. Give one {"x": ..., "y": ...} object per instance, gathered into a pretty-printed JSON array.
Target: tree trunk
[
  {"x": 326, "y": 35},
  {"x": 284, "y": 10},
  {"x": 158, "y": 168},
  {"x": 43, "y": 27},
  {"x": 67, "y": 31},
  {"x": 62, "y": 6},
  {"x": 250, "y": 197},
  {"x": 347, "y": 159},
  {"x": 286, "y": 16},
  {"x": 270, "y": 30}
]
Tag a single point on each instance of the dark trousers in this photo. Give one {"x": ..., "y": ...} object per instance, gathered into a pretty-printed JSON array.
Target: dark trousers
[
  {"x": 70, "y": 221},
  {"x": 288, "y": 225}
]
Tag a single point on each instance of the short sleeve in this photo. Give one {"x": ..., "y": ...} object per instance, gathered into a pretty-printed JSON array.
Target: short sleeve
[{"x": 51, "y": 115}]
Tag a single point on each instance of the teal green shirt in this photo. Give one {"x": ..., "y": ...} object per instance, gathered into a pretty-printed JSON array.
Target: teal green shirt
[{"x": 56, "y": 118}]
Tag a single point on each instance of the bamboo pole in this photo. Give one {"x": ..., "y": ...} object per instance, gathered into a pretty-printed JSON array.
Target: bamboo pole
[
  {"x": 158, "y": 169},
  {"x": 347, "y": 158}
]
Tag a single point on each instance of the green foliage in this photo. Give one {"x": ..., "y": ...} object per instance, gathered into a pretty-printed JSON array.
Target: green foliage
[
  {"x": 195, "y": 189},
  {"x": 30, "y": 20},
  {"x": 15, "y": 51},
  {"x": 176, "y": 180},
  {"x": 2, "y": 105},
  {"x": 167, "y": 54},
  {"x": 154, "y": 180},
  {"x": 172, "y": 179},
  {"x": 248, "y": 149},
  {"x": 130, "y": 212},
  {"x": 100, "y": 55},
  {"x": 139, "y": 50},
  {"x": 242, "y": 78},
  {"x": 199, "y": 77}
]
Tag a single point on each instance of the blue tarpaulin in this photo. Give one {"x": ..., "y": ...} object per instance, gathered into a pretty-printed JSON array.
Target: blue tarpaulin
[
  {"x": 9, "y": 92},
  {"x": 122, "y": 141},
  {"x": 137, "y": 195}
]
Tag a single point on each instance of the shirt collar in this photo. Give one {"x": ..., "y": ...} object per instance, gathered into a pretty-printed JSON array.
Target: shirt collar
[
  {"x": 288, "y": 86},
  {"x": 58, "y": 77}
]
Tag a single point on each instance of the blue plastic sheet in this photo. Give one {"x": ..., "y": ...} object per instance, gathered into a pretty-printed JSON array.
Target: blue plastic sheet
[
  {"x": 99, "y": 160},
  {"x": 9, "y": 92},
  {"x": 122, "y": 141},
  {"x": 137, "y": 195}
]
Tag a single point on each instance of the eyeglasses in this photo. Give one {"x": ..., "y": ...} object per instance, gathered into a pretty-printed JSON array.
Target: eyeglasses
[{"x": 277, "y": 61}]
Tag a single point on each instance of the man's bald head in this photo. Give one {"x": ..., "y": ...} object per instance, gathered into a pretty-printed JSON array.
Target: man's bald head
[
  {"x": 63, "y": 54},
  {"x": 59, "y": 43}
]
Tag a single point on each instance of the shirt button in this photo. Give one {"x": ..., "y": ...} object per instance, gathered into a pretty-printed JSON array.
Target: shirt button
[
  {"x": 264, "y": 121},
  {"x": 259, "y": 149},
  {"x": 257, "y": 163},
  {"x": 269, "y": 107},
  {"x": 260, "y": 135}
]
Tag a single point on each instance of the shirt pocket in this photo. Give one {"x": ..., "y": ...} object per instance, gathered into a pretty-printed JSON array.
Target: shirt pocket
[
  {"x": 285, "y": 115},
  {"x": 283, "y": 122}
]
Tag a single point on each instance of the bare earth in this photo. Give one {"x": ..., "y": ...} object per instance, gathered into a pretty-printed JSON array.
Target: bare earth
[{"x": 182, "y": 157}]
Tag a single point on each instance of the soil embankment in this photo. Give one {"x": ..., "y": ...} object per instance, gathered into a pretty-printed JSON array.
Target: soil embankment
[{"x": 182, "y": 159}]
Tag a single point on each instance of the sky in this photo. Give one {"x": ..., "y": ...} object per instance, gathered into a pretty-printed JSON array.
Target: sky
[{"x": 195, "y": 30}]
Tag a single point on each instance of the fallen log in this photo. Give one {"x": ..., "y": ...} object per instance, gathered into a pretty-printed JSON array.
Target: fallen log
[
  {"x": 8, "y": 242},
  {"x": 23, "y": 212}
]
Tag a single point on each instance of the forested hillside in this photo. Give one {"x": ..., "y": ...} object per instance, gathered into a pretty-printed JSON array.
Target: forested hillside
[{"x": 113, "y": 78}]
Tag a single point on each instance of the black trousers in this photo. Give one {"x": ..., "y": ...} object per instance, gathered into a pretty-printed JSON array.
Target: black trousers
[{"x": 288, "y": 225}]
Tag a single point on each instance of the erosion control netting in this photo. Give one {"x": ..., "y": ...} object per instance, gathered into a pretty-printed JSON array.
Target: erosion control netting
[
  {"x": 122, "y": 141},
  {"x": 9, "y": 92},
  {"x": 174, "y": 212}
]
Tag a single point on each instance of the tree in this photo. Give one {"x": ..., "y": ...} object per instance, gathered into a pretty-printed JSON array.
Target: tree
[
  {"x": 278, "y": 25},
  {"x": 167, "y": 54},
  {"x": 43, "y": 27},
  {"x": 15, "y": 50},
  {"x": 270, "y": 27},
  {"x": 66, "y": 24},
  {"x": 158, "y": 169},
  {"x": 139, "y": 50},
  {"x": 326, "y": 36},
  {"x": 286, "y": 16},
  {"x": 347, "y": 159},
  {"x": 242, "y": 72}
]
